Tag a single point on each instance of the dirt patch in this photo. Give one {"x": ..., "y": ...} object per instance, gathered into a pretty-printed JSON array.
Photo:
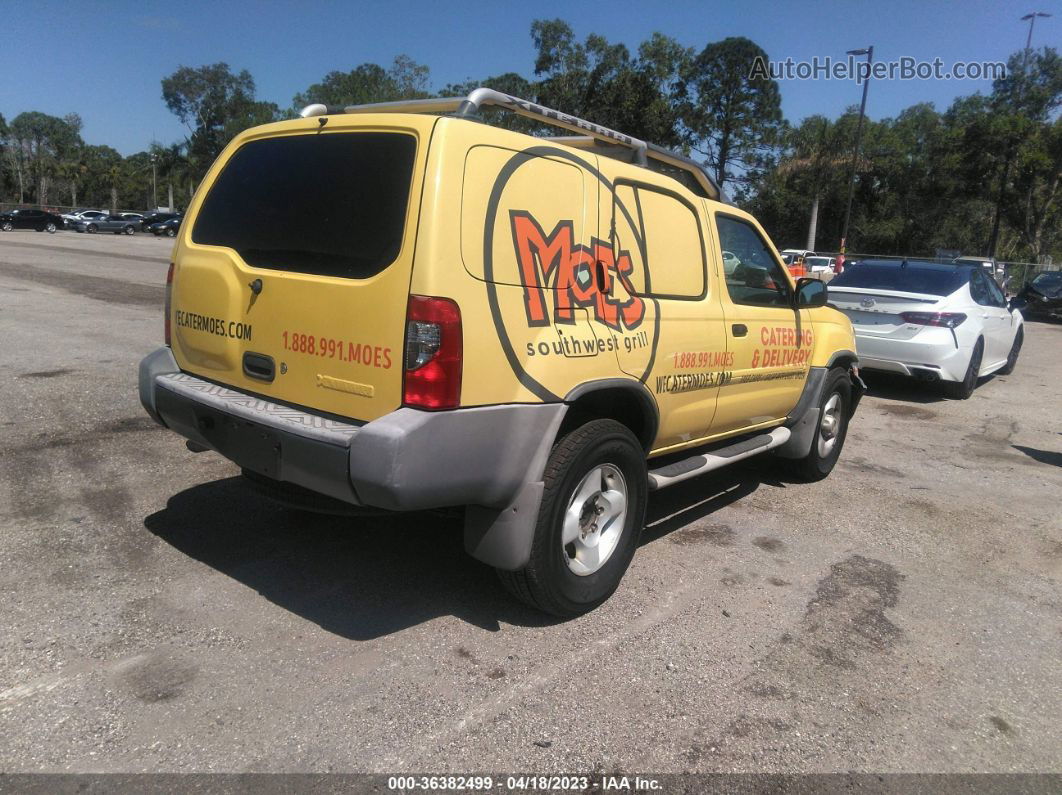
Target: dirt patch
[
  {"x": 768, "y": 544},
  {"x": 720, "y": 535},
  {"x": 778, "y": 582},
  {"x": 99, "y": 288},
  {"x": 156, "y": 678},
  {"x": 904, "y": 410},
  {"x": 46, "y": 374}
]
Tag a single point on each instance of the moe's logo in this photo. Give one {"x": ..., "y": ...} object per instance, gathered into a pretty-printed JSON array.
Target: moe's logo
[{"x": 580, "y": 276}]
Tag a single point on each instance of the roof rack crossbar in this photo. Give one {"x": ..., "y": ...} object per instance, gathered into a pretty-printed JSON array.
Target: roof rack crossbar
[{"x": 464, "y": 107}]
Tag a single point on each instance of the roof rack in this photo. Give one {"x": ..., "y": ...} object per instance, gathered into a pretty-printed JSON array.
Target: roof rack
[{"x": 592, "y": 136}]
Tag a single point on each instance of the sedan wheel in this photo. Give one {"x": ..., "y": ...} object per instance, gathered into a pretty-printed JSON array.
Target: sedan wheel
[
  {"x": 961, "y": 390},
  {"x": 129, "y": 230},
  {"x": 1015, "y": 350},
  {"x": 7, "y": 226},
  {"x": 91, "y": 229},
  {"x": 50, "y": 227},
  {"x": 171, "y": 232}
]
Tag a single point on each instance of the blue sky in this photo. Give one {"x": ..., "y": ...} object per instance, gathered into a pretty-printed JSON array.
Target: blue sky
[{"x": 105, "y": 61}]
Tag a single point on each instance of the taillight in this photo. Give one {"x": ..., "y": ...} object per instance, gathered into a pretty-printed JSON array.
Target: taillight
[
  {"x": 945, "y": 319},
  {"x": 432, "y": 378},
  {"x": 169, "y": 294}
]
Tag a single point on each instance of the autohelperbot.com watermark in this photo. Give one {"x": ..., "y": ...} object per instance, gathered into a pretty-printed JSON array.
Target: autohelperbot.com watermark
[{"x": 903, "y": 68}]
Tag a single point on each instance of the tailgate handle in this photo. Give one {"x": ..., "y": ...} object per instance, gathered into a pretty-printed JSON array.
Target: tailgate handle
[{"x": 258, "y": 365}]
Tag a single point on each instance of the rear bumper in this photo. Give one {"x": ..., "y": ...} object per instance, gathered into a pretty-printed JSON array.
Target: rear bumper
[
  {"x": 406, "y": 460},
  {"x": 932, "y": 353}
]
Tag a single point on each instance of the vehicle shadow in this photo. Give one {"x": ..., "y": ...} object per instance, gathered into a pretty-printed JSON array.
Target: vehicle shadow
[
  {"x": 366, "y": 577},
  {"x": 1042, "y": 456},
  {"x": 889, "y": 386}
]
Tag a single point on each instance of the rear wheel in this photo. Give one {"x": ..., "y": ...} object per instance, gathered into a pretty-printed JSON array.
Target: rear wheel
[
  {"x": 1015, "y": 350},
  {"x": 831, "y": 432},
  {"x": 171, "y": 232},
  {"x": 50, "y": 227},
  {"x": 7, "y": 226},
  {"x": 129, "y": 230},
  {"x": 961, "y": 390},
  {"x": 592, "y": 512},
  {"x": 91, "y": 229}
]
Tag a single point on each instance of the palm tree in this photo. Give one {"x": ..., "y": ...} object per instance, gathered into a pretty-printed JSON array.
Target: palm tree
[
  {"x": 815, "y": 153},
  {"x": 114, "y": 174}
]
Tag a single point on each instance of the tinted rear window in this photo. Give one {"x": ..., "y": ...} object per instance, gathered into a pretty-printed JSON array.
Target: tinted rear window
[
  {"x": 333, "y": 204},
  {"x": 940, "y": 280}
]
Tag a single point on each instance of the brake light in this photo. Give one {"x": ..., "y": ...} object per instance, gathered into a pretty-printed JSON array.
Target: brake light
[
  {"x": 169, "y": 294},
  {"x": 945, "y": 319},
  {"x": 432, "y": 376}
]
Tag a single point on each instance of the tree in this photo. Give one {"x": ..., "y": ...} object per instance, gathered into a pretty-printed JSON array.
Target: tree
[
  {"x": 42, "y": 142},
  {"x": 368, "y": 83},
  {"x": 733, "y": 111},
  {"x": 815, "y": 155},
  {"x": 214, "y": 104}
]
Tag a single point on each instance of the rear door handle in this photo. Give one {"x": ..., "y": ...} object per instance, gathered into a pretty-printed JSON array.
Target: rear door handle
[{"x": 739, "y": 329}]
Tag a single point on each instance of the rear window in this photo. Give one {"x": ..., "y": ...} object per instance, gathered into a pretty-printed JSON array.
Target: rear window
[
  {"x": 912, "y": 278},
  {"x": 332, "y": 204}
]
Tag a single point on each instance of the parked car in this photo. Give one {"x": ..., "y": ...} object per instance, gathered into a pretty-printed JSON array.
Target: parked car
[
  {"x": 730, "y": 262},
  {"x": 40, "y": 220},
  {"x": 168, "y": 228},
  {"x": 989, "y": 264},
  {"x": 156, "y": 217},
  {"x": 340, "y": 359},
  {"x": 71, "y": 218},
  {"x": 136, "y": 218},
  {"x": 930, "y": 320},
  {"x": 818, "y": 264},
  {"x": 1042, "y": 297},
  {"x": 118, "y": 224}
]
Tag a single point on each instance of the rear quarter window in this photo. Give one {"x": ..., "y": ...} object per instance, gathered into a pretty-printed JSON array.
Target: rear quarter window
[{"x": 332, "y": 204}]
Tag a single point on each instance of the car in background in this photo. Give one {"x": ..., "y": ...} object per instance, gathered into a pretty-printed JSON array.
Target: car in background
[
  {"x": 39, "y": 220},
  {"x": 730, "y": 262},
  {"x": 118, "y": 224},
  {"x": 819, "y": 264},
  {"x": 156, "y": 217},
  {"x": 1042, "y": 297},
  {"x": 930, "y": 320},
  {"x": 989, "y": 264},
  {"x": 168, "y": 228},
  {"x": 70, "y": 218},
  {"x": 136, "y": 218}
]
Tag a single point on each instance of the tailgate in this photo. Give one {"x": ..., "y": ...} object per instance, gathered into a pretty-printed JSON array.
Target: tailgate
[{"x": 292, "y": 274}]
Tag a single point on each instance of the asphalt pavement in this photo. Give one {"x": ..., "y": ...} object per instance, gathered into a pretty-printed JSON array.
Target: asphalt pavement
[{"x": 159, "y": 615}]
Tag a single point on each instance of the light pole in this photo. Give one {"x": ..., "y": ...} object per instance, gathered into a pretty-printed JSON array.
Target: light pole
[
  {"x": 1032, "y": 21},
  {"x": 154, "y": 187},
  {"x": 869, "y": 52}
]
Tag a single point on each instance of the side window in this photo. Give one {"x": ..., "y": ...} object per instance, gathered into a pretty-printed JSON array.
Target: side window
[
  {"x": 998, "y": 298},
  {"x": 675, "y": 265},
  {"x": 755, "y": 278},
  {"x": 979, "y": 288}
]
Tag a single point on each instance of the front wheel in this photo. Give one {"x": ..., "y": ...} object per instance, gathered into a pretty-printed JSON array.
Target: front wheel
[
  {"x": 592, "y": 512},
  {"x": 961, "y": 390},
  {"x": 831, "y": 432},
  {"x": 129, "y": 230},
  {"x": 91, "y": 229},
  {"x": 171, "y": 232},
  {"x": 7, "y": 226},
  {"x": 50, "y": 227},
  {"x": 1015, "y": 350}
]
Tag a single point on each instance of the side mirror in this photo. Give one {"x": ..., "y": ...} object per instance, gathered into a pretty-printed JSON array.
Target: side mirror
[{"x": 810, "y": 293}]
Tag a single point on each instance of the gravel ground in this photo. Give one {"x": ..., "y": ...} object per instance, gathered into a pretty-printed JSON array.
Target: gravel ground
[{"x": 901, "y": 616}]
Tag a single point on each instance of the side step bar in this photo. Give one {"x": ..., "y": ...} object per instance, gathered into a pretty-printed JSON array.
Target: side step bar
[{"x": 717, "y": 459}]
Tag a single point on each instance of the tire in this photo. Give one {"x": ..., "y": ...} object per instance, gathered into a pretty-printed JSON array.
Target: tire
[
  {"x": 961, "y": 390},
  {"x": 129, "y": 230},
  {"x": 7, "y": 226},
  {"x": 598, "y": 459},
  {"x": 50, "y": 227},
  {"x": 171, "y": 232},
  {"x": 91, "y": 229},
  {"x": 834, "y": 413},
  {"x": 1015, "y": 350}
]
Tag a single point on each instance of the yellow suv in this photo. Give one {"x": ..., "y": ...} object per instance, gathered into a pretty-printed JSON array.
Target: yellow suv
[{"x": 400, "y": 306}]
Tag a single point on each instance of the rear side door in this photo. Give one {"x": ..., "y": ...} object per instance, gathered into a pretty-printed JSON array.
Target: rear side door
[
  {"x": 996, "y": 320},
  {"x": 771, "y": 341},
  {"x": 669, "y": 330}
]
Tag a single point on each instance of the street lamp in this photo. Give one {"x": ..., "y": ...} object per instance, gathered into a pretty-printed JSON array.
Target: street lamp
[
  {"x": 1032, "y": 21},
  {"x": 154, "y": 187},
  {"x": 869, "y": 52}
]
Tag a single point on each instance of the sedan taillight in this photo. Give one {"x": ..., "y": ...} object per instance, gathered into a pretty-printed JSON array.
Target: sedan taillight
[{"x": 945, "y": 319}]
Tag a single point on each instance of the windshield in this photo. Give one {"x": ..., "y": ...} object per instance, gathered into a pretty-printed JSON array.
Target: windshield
[
  {"x": 1048, "y": 283},
  {"x": 332, "y": 204},
  {"x": 924, "y": 278}
]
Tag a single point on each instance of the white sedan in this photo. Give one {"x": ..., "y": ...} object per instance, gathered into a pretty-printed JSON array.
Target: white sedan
[{"x": 938, "y": 322}]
